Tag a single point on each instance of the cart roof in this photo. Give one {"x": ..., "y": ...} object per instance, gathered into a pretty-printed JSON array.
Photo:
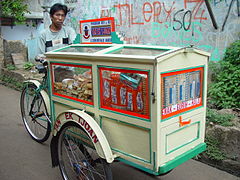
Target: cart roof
[{"x": 145, "y": 53}]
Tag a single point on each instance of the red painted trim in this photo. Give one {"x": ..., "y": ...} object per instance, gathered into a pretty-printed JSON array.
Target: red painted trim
[
  {"x": 123, "y": 70},
  {"x": 99, "y": 19},
  {"x": 201, "y": 69},
  {"x": 75, "y": 99},
  {"x": 73, "y": 65},
  {"x": 52, "y": 77},
  {"x": 96, "y": 43},
  {"x": 65, "y": 96},
  {"x": 181, "y": 111},
  {"x": 181, "y": 72},
  {"x": 147, "y": 116},
  {"x": 94, "y": 20},
  {"x": 125, "y": 112}
]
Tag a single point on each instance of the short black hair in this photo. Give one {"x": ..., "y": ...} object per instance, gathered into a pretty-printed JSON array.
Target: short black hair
[{"x": 57, "y": 7}]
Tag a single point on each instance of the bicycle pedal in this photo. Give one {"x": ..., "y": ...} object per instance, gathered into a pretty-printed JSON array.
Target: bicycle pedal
[{"x": 38, "y": 114}]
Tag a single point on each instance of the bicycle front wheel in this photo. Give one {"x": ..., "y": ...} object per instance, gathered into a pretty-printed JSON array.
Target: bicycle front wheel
[
  {"x": 77, "y": 156},
  {"x": 34, "y": 114}
]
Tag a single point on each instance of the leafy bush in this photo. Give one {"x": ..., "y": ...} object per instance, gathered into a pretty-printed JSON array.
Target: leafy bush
[
  {"x": 217, "y": 118},
  {"x": 28, "y": 66},
  {"x": 224, "y": 92},
  {"x": 213, "y": 151},
  {"x": 11, "y": 82},
  {"x": 11, "y": 67},
  {"x": 15, "y": 9}
]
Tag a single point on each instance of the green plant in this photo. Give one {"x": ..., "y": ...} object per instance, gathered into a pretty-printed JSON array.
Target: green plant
[
  {"x": 224, "y": 92},
  {"x": 15, "y": 9},
  {"x": 218, "y": 118},
  {"x": 11, "y": 67},
  {"x": 213, "y": 151},
  {"x": 11, "y": 82},
  {"x": 28, "y": 65}
]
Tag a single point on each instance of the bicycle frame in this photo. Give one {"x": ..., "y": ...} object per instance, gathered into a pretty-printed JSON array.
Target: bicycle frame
[{"x": 42, "y": 89}]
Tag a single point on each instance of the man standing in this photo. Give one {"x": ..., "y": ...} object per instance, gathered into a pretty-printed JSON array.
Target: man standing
[{"x": 57, "y": 35}]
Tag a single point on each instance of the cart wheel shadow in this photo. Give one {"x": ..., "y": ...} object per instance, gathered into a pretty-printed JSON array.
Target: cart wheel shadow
[{"x": 124, "y": 171}]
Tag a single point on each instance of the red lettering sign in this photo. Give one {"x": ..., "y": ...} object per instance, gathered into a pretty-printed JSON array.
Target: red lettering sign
[{"x": 68, "y": 115}]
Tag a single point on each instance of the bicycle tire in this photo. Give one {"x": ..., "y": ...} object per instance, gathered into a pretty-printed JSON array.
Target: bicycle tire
[
  {"x": 35, "y": 122},
  {"x": 77, "y": 156}
]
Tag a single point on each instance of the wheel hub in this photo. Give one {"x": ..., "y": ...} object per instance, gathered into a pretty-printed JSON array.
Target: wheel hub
[{"x": 80, "y": 167}]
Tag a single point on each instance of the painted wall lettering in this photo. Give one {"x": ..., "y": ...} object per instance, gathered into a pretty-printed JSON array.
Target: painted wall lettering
[{"x": 209, "y": 25}]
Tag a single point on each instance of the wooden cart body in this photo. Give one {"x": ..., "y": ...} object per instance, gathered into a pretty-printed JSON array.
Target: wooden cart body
[{"x": 143, "y": 105}]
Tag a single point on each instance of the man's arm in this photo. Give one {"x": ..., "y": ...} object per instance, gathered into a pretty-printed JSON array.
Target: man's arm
[
  {"x": 41, "y": 47},
  {"x": 72, "y": 35}
]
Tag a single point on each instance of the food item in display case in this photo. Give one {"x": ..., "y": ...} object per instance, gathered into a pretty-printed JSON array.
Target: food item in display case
[
  {"x": 79, "y": 86},
  {"x": 125, "y": 91},
  {"x": 131, "y": 79},
  {"x": 62, "y": 72}
]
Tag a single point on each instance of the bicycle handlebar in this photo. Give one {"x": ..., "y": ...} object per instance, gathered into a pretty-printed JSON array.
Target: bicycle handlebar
[
  {"x": 42, "y": 68},
  {"x": 42, "y": 60}
]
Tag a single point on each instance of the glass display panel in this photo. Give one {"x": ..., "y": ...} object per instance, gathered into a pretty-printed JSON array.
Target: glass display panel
[
  {"x": 125, "y": 91},
  {"x": 181, "y": 91},
  {"x": 72, "y": 81},
  {"x": 83, "y": 49},
  {"x": 139, "y": 51}
]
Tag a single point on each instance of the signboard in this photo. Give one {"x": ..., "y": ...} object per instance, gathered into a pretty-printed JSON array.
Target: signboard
[
  {"x": 125, "y": 91},
  {"x": 97, "y": 31},
  {"x": 181, "y": 91}
]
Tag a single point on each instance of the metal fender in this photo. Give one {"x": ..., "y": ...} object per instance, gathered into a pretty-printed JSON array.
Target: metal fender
[
  {"x": 90, "y": 126},
  {"x": 43, "y": 93}
]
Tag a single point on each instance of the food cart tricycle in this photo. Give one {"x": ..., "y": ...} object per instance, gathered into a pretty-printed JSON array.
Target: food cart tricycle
[{"x": 142, "y": 105}]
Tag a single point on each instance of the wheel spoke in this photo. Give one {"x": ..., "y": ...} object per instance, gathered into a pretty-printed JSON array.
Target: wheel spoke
[
  {"x": 34, "y": 114},
  {"x": 76, "y": 157}
]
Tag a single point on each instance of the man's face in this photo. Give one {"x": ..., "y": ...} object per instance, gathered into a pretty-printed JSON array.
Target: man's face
[{"x": 58, "y": 18}]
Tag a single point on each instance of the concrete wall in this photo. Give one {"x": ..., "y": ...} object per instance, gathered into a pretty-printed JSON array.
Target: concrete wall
[
  {"x": 20, "y": 32},
  {"x": 171, "y": 22},
  {"x": 27, "y": 33},
  {"x": 1, "y": 52}
]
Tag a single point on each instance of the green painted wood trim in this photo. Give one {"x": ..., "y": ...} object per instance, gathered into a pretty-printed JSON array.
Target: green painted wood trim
[
  {"x": 64, "y": 97},
  {"x": 68, "y": 99},
  {"x": 182, "y": 113},
  {"x": 101, "y": 116},
  {"x": 83, "y": 45},
  {"x": 59, "y": 62},
  {"x": 120, "y": 113},
  {"x": 115, "y": 38},
  {"x": 113, "y": 50},
  {"x": 134, "y": 125},
  {"x": 151, "y": 48},
  {"x": 182, "y": 158},
  {"x": 132, "y": 156},
  {"x": 176, "y": 70},
  {"x": 53, "y": 114},
  {"x": 204, "y": 76},
  {"x": 71, "y": 107},
  {"x": 123, "y": 68},
  {"x": 52, "y": 117},
  {"x": 77, "y": 39},
  {"x": 198, "y": 135},
  {"x": 57, "y": 50},
  {"x": 137, "y": 166},
  {"x": 124, "y": 114},
  {"x": 171, "y": 164}
]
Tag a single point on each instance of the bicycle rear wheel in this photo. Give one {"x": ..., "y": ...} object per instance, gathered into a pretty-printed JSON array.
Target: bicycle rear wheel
[
  {"x": 77, "y": 156},
  {"x": 34, "y": 114}
]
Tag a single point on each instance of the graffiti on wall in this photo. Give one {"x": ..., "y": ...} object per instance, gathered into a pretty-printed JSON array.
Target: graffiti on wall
[{"x": 210, "y": 25}]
